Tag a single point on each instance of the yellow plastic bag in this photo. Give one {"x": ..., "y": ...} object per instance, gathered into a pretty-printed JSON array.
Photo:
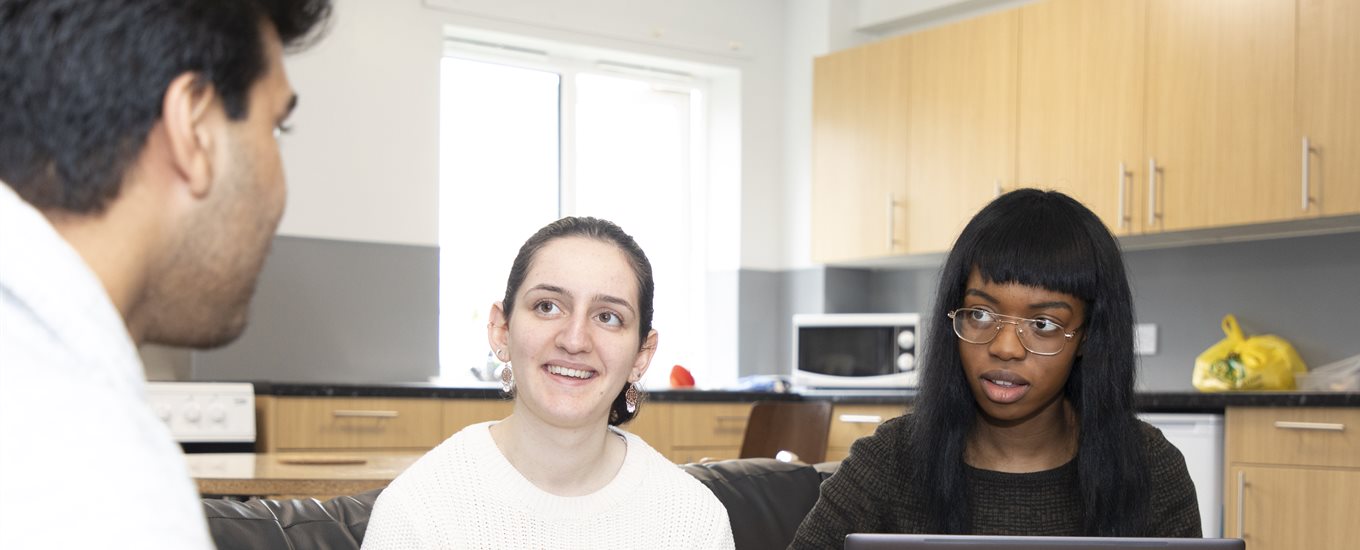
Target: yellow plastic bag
[{"x": 1265, "y": 362}]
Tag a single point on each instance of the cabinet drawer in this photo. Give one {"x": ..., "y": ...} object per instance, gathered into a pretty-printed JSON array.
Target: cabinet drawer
[
  {"x": 709, "y": 424},
  {"x": 1294, "y": 436},
  {"x": 851, "y": 422},
  {"x": 303, "y": 423}
]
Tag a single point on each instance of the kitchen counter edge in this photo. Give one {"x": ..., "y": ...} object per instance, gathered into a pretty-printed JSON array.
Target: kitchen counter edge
[{"x": 1144, "y": 402}]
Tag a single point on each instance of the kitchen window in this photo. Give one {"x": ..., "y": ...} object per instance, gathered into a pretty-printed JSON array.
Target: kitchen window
[{"x": 528, "y": 136}]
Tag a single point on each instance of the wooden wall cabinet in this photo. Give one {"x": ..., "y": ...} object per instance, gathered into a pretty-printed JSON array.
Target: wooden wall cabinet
[
  {"x": 1220, "y": 113},
  {"x": 1292, "y": 477},
  {"x": 961, "y": 131},
  {"x": 1329, "y": 114},
  {"x": 1160, "y": 115},
  {"x": 1080, "y": 105},
  {"x": 859, "y": 160}
]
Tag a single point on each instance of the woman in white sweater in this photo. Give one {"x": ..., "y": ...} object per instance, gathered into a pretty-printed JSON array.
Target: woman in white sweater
[{"x": 575, "y": 327}]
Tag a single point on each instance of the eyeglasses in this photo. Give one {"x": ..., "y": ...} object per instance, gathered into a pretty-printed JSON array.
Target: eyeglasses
[{"x": 1039, "y": 336}]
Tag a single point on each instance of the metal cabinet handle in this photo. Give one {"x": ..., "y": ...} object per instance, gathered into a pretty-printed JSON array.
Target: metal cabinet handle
[
  {"x": 861, "y": 419},
  {"x": 1307, "y": 149},
  {"x": 1123, "y": 190},
  {"x": 1321, "y": 426},
  {"x": 1152, "y": 191},
  {"x": 1241, "y": 500},
  {"x": 343, "y": 413},
  {"x": 731, "y": 418},
  {"x": 892, "y": 222}
]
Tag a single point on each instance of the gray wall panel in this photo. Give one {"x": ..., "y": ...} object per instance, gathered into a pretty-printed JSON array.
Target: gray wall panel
[
  {"x": 758, "y": 322},
  {"x": 1303, "y": 289},
  {"x": 337, "y": 311}
]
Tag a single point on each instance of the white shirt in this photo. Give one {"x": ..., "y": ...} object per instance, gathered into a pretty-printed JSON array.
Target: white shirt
[
  {"x": 466, "y": 494},
  {"x": 84, "y": 462}
]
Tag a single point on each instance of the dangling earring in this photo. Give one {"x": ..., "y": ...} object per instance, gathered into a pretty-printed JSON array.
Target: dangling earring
[
  {"x": 507, "y": 379},
  {"x": 630, "y": 398},
  {"x": 499, "y": 352}
]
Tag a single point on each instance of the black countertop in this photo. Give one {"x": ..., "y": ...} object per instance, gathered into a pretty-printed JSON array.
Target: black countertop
[{"x": 1145, "y": 402}]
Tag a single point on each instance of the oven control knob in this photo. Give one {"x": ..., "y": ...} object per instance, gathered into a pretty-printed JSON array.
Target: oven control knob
[
  {"x": 906, "y": 339},
  {"x": 216, "y": 413},
  {"x": 906, "y": 362},
  {"x": 192, "y": 412},
  {"x": 163, "y": 412}
]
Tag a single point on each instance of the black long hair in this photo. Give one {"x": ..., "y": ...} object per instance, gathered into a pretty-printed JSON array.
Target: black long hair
[
  {"x": 1048, "y": 240},
  {"x": 604, "y": 231}
]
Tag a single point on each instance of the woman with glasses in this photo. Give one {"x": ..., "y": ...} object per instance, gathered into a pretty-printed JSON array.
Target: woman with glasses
[{"x": 1024, "y": 421}]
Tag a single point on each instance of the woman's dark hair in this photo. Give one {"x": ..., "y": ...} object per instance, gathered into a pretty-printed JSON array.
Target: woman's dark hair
[
  {"x": 83, "y": 82},
  {"x": 601, "y": 230},
  {"x": 1043, "y": 239}
]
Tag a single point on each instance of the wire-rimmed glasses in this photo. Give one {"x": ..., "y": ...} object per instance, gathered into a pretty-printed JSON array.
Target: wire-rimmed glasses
[{"x": 1039, "y": 336}]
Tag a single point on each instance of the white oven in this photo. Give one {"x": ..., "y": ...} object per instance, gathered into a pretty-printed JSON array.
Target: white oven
[{"x": 207, "y": 417}]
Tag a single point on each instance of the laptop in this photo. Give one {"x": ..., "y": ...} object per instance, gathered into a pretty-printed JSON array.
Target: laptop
[{"x": 978, "y": 542}]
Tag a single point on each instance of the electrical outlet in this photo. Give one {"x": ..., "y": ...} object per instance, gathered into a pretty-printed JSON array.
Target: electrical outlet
[{"x": 1145, "y": 339}]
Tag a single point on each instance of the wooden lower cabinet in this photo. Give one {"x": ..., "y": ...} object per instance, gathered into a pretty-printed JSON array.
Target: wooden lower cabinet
[
  {"x": 460, "y": 413},
  {"x": 1292, "y": 477},
  {"x": 707, "y": 430},
  {"x": 851, "y": 422},
  {"x": 1290, "y": 507},
  {"x": 350, "y": 423}
]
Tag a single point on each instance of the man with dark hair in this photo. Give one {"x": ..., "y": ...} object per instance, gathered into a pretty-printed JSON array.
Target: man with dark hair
[{"x": 142, "y": 187}]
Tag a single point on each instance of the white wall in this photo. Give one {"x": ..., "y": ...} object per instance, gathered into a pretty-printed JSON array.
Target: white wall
[{"x": 363, "y": 160}]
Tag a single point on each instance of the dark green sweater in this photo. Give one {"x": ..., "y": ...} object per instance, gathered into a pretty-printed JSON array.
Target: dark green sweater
[{"x": 866, "y": 495}]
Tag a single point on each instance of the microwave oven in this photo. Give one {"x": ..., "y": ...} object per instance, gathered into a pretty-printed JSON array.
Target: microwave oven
[{"x": 859, "y": 350}]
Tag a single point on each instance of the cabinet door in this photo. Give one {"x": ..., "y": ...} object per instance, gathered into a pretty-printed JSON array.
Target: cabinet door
[
  {"x": 859, "y": 152},
  {"x": 1081, "y": 104},
  {"x": 1329, "y": 115},
  {"x": 1287, "y": 508},
  {"x": 962, "y": 89},
  {"x": 1220, "y": 112}
]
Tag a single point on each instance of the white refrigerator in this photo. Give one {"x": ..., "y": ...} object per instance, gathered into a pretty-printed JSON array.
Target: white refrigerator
[{"x": 1200, "y": 438}]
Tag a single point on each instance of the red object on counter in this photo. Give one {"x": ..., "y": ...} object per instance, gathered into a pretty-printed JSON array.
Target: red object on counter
[{"x": 681, "y": 378}]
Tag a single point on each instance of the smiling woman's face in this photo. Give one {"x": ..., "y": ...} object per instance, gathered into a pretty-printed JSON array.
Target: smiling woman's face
[
  {"x": 573, "y": 336},
  {"x": 1009, "y": 383}
]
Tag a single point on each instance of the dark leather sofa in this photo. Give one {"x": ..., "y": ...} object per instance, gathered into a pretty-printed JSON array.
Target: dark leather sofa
[{"x": 765, "y": 499}]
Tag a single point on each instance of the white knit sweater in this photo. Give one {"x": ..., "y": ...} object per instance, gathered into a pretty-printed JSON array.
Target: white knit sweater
[{"x": 465, "y": 494}]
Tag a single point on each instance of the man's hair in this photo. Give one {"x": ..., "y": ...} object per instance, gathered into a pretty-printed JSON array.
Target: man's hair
[{"x": 82, "y": 81}]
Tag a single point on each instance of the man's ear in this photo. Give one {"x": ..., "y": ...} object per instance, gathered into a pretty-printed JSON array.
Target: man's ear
[{"x": 189, "y": 112}]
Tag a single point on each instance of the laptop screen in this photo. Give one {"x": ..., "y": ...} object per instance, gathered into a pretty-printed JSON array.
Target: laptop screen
[{"x": 977, "y": 542}]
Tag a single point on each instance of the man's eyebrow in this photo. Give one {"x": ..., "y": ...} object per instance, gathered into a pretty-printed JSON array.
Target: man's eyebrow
[{"x": 292, "y": 104}]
